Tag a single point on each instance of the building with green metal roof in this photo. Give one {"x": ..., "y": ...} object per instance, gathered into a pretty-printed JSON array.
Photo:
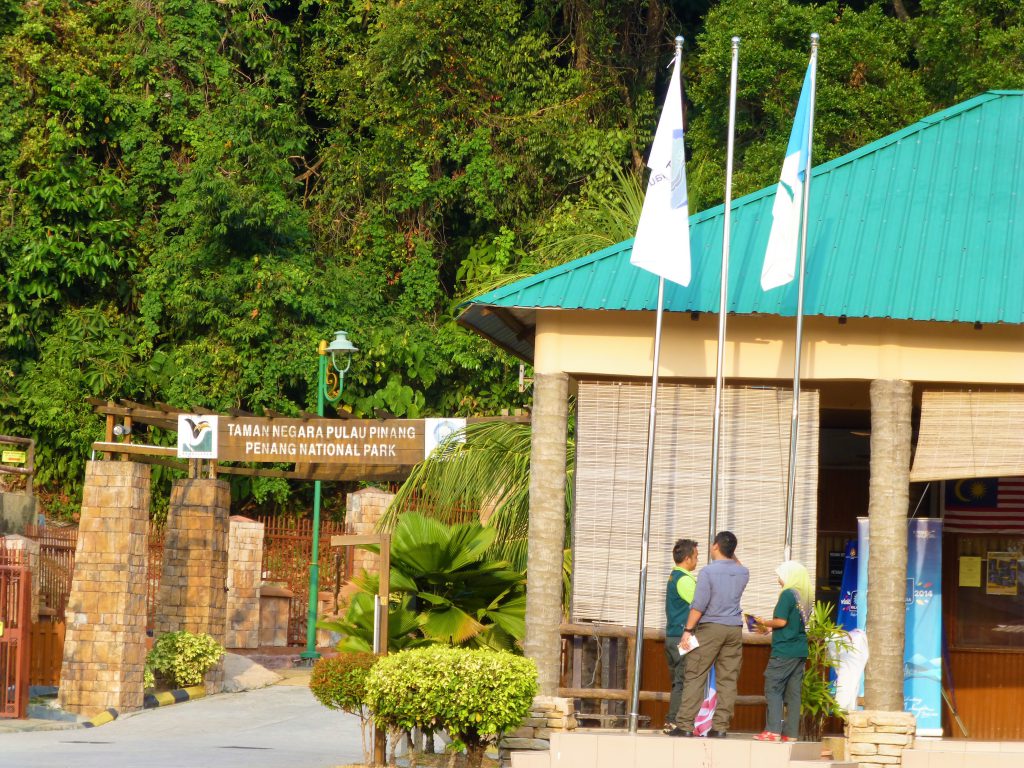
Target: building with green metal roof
[{"x": 913, "y": 344}]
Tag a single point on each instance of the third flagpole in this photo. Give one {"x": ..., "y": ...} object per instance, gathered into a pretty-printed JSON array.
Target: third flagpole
[
  {"x": 723, "y": 301},
  {"x": 802, "y": 257}
]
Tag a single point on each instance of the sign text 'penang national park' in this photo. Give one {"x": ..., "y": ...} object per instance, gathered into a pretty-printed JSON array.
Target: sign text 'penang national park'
[{"x": 317, "y": 441}]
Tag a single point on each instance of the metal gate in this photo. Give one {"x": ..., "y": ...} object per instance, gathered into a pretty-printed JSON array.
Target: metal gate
[{"x": 15, "y": 625}]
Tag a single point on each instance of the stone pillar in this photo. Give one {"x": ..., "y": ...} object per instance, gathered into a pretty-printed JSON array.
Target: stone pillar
[
  {"x": 105, "y": 641},
  {"x": 193, "y": 585},
  {"x": 548, "y": 715},
  {"x": 17, "y": 510},
  {"x": 245, "y": 564},
  {"x": 547, "y": 527},
  {"x": 888, "y": 502},
  {"x": 31, "y": 549},
  {"x": 877, "y": 739},
  {"x": 363, "y": 509}
]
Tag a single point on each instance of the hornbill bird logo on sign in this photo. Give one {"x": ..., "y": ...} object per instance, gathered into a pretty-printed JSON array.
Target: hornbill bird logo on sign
[{"x": 202, "y": 437}]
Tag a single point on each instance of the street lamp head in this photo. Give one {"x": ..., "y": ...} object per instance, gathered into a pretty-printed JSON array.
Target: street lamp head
[{"x": 340, "y": 349}]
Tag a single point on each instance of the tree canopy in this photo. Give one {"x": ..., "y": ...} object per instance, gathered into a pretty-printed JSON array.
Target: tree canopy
[{"x": 193, "y": 194}]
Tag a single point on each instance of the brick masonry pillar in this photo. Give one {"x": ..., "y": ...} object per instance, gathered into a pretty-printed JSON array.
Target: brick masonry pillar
[
  {"x": 105, "y": 640},
  {"x": 245, "y": 563},
  {"x": 362, "y": 511},
  {"x": 31, "y": 549},
  {"x": 877, "y": 739},
  {"x": 193, "y": 585}
]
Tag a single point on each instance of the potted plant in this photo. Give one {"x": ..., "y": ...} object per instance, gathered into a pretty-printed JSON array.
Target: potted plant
[{"x": 825, "y": 639}]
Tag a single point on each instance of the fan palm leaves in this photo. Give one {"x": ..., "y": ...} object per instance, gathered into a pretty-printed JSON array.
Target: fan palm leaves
[{"x": 449, "y": 579}]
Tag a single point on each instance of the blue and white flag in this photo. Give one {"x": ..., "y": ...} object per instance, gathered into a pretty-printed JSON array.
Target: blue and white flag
[
  {"x": 662, "y": 243},
  {"x": 783, "y": 242}
]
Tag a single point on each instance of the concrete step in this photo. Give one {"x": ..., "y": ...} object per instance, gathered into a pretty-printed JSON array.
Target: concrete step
[
  {"x": 615, "y": 749},
  {"x": 962, "y": 753},
  {"x": 822, "y": 764}
]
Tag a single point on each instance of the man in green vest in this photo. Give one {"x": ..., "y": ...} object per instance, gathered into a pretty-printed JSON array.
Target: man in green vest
[{"x": 678, "y": 596}]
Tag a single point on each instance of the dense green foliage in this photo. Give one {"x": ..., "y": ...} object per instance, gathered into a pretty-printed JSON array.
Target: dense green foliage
[
  {"x": 182, "y": 658},
  {"x": 192, "y": 194},
  {"x": 339, "y": 682},
  {"x": 474, "y": 695}
]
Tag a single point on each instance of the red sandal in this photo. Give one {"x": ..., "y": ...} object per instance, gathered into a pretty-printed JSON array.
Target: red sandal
[{"x": 767, "y": 736}]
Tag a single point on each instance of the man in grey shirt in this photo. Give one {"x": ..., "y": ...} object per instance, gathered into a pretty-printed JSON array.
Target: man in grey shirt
[{"x": 716, "y": 620}]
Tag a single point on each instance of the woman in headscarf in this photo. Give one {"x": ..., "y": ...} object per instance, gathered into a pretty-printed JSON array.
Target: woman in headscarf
[{"x": 784, "y": 675}]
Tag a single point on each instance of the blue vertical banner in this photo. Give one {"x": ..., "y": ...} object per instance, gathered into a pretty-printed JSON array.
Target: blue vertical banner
[
  {"x": 922, "y": 654},
  {"x": 922, "y": 659},
  {"x": 848, "y": 588}
]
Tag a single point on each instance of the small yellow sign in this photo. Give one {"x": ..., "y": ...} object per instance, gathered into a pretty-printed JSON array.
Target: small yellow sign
[
  {"x": 13, "y": 457},
  {"x": 970, "y": 571},
  {"x": 1, "y": 629}
]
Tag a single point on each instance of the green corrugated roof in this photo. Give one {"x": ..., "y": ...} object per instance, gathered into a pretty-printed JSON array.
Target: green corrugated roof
[{"x": 924, "y": 224}]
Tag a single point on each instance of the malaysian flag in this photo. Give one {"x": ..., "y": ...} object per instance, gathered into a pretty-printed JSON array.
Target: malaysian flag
[{"x": 984, "y": 505}]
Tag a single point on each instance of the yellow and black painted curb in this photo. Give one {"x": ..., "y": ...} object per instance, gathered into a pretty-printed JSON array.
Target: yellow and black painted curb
[
  {"x": 106, "y": 716},
  {"x": 178, "y": 695}
]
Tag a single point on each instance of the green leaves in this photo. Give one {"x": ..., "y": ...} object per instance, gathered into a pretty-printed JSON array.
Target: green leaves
[
  {"x": 474, "y": 695},
  {"x": 183, "y": 658}
]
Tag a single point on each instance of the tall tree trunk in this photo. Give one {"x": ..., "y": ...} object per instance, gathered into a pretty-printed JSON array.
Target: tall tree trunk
[
  {"x": 889, "y": 497},
  {"x": 547, "y": 527}
]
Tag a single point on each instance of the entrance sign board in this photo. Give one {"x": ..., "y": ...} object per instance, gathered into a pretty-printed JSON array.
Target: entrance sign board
[{"x": 314, "y": 441}]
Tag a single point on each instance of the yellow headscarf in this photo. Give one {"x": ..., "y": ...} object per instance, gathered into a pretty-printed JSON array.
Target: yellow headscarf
[{"x": 794, "y": 576}]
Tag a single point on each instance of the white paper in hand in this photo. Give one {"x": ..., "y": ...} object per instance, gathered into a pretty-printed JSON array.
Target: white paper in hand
[{"x": 685, "y": 648}]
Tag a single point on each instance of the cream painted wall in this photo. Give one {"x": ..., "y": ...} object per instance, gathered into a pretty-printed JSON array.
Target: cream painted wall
[{"x": 761, "y": 347}]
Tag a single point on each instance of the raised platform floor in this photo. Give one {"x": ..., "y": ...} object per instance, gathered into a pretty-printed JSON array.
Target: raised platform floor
[{"x": 615, "y": 749}]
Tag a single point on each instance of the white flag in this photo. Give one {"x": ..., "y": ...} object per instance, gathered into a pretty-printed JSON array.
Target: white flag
[
  {"x": 783, "y": 241},
  {"x": 662, "y": 243}
]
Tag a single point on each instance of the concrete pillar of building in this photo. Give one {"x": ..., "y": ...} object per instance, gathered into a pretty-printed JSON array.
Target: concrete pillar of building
[
  {"x": 105, "y": 640},
  {"x": 193, "y": 585},
  {"x": 363, "y": 509},
  {"x": 547, "y": 527},
  {"x": 888, "y": 502},
  {"x": 245, "y": 566}
]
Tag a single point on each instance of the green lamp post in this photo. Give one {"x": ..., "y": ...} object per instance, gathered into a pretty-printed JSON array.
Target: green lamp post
[{"x": 330, "y": 382}]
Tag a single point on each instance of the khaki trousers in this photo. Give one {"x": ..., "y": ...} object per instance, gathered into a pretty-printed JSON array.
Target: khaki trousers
[{"x": 722, "y": 647}]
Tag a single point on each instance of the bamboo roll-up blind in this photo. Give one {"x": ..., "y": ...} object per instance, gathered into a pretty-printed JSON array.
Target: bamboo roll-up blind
[
  {"x": 970, "y": 434},
  {"x": 611, "y": 456}
]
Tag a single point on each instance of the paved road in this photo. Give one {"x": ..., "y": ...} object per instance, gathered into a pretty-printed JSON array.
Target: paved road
[{"x": 278, "y": 727}]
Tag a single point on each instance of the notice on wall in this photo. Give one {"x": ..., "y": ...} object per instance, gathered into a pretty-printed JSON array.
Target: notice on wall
[
  {"x": 970, "y": 571},
  {"x": 1001, "y": 574}
]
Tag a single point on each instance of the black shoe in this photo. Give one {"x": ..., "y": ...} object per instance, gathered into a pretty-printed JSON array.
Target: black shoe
[
  {"x": 676, "y": 731},
  {"x": 717, "y": 734}
]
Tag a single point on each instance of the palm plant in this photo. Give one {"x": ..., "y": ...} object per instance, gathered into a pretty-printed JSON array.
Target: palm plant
[
  {"x": 457, "y": 591},
  {"x": 356, "y": 628},
  {"x": 825, "y": 640}
]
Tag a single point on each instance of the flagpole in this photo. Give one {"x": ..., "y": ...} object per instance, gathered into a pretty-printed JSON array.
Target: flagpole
[
  {"x": 723, "y": 300},
  {"x": 634, "y": 705},
  {"x": 802, "y": 257}
]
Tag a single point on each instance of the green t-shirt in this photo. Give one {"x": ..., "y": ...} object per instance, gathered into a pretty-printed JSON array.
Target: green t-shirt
[{"x": 790, "y": 641}]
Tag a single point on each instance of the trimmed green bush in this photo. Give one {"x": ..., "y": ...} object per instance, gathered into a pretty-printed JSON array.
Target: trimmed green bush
[
  {"x": 340, "y": 682},
  {"x": 182, "y": 658},
  {"x": 475, "y": 695}
]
